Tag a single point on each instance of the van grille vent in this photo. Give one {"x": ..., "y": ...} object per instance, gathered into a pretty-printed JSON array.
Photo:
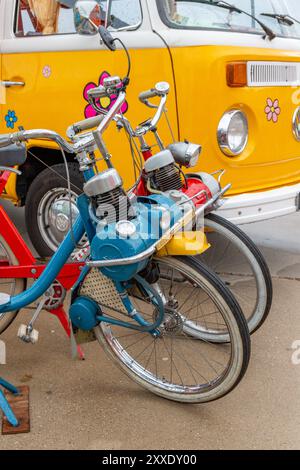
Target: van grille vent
[{"x": 273, "y": 74}]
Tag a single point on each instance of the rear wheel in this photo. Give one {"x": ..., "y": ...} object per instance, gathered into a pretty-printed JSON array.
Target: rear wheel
[
  {"x": 180, "y": 364},
  {"x": 9, "y": 286},
  {"x": 241, "y": 266}
]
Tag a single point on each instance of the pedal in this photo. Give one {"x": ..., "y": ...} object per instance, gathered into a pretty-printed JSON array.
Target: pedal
[
  {"x": 28, "y": 335},
  {"x": 26, "y": 332}
]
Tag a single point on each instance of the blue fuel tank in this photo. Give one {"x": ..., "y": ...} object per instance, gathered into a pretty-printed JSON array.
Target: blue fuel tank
[{"x": 154, "y": 216}]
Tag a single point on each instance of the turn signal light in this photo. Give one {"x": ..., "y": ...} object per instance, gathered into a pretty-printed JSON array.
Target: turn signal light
[{"x": 237, "y": 74}]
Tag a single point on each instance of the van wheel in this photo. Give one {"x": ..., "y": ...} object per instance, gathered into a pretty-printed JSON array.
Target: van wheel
[{"x": 47, "y": 209}]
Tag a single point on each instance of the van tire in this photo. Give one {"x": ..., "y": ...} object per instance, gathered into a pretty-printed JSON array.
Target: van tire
[{"x": 44, "y": 184}]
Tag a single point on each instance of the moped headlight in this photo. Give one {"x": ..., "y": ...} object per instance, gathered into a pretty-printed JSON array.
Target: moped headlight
[
  {"x": 233, "y": 133},
  {"x": 125, "y": 229},
  {"x": 185, "y": 153}
]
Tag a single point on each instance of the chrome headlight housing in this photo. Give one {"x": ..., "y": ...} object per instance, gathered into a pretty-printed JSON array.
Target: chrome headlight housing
[
  {"x": 233, "y": 133},
  {"x": 296, "y": 124},
  {"x": 185, "y": 153}
]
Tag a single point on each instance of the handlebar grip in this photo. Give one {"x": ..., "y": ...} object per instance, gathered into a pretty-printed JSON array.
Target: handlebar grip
[
  {"x": 146, "y": 95},
  {"x": 6, "y": 140},
  {"x": 98, "y": 92},
  {"x": 84, "y": 125}
]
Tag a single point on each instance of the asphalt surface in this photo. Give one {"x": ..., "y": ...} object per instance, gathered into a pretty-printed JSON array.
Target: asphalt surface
[{"x": 91, "y": 405}]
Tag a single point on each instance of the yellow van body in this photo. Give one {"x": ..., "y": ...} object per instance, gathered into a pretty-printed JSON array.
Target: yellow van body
[{"x": 57, "y": 69}]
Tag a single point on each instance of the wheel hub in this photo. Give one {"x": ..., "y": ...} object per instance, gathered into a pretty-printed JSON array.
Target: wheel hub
[{"x": 173, "y": 322}]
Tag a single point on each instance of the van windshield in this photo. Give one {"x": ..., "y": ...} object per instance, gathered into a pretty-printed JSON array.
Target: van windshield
[{"x": 282, "y": 16}]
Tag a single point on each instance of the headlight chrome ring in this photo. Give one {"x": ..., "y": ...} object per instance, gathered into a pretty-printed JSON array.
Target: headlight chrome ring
[
  {"x": 233, "y": 133},
  {"x": 296, "y": 124}
]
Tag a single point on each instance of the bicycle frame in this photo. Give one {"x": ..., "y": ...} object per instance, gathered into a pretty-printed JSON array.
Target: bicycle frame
[
  {"x": 56, "y": 266},
  {"x": 57, "y": 269},
  {"x": 28, "y": 266}
]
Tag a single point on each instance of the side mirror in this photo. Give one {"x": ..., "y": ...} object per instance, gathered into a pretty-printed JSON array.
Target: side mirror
[{"x": 88, "y": 17}]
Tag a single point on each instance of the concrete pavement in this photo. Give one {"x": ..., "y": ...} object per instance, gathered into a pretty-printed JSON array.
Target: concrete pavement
[{"x": 92, "y": 405}]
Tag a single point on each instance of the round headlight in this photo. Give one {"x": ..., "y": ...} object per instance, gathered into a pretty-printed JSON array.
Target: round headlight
[
  {"x": 233, "y": 133},
  {"x": 125, "y": 229},
  {"x": 185, "y": 153}
]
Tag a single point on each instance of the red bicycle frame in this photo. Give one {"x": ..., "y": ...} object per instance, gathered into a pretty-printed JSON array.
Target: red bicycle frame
[{"x": 28, "y": 266}]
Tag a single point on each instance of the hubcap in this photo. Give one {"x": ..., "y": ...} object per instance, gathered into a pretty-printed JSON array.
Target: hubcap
[
  {"x": 60, "y": 215},
  {"x": 54, "y": 216}
]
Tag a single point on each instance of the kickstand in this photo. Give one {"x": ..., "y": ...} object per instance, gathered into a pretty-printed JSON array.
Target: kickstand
[{"x": 5, "y": 406}]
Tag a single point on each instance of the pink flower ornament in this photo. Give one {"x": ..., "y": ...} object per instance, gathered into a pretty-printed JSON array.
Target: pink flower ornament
[
  {"x": 272, "y": 110},
  {"x": 103, "y": 103}
]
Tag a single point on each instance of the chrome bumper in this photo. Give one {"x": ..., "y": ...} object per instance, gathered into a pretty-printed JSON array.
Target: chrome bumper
[{"x": 256, "y": 207}]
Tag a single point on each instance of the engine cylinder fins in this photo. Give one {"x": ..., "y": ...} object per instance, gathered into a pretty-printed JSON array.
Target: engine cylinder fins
[
  {"x": 113, "y": 206},
  {"x": 158, "y": 161},
  {"x": 168, "y": 178}
]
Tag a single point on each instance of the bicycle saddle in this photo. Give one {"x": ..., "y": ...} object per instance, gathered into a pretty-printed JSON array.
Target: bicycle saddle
[{"x": 12, "y": 155}]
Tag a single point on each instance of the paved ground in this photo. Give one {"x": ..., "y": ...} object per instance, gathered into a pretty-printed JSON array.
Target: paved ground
[{"x": 92, "y": 405}]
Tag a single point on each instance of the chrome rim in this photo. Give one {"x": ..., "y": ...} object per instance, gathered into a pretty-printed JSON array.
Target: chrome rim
[
  {"x": 54, "y": 216},
  {"x": 175, "y": 361}
]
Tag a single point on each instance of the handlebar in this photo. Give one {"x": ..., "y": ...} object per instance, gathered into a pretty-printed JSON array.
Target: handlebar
[
  {"x": 146, "y": 95},
  {"x": 8, "y": 139},
  {"x": 95, "y": 93},
  {"x": 161, "y": 89},
  {"x": 84, "y": 125},
  {"x": 102, "y": 121},
  {"x": 41, "y": 134},
  {"x": 86, "y": 141}
]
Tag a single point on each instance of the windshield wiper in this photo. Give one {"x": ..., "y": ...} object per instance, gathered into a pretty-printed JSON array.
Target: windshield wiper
[
  {"x": 282, "y": 19},
  {"x": 233, "y": 9}
]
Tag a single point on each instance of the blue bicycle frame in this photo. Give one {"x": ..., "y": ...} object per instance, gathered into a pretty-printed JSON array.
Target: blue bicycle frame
[{"x": 81, "y": 226}]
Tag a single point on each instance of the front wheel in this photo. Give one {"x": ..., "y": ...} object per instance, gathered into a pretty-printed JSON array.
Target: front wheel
[{"x": 176, "y": 363}]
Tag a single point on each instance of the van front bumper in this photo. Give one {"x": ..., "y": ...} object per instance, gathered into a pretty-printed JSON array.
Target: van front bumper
[{"x": 255, "y": 207}]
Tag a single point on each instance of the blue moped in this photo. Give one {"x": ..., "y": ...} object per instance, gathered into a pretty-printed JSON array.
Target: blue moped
[{"x": 158, "y": 316}]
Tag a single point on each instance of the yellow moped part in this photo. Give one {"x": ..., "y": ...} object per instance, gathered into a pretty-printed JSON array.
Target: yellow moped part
[
  {"x": 189, "y": 243},
  {"x": 10, "y": 189}
]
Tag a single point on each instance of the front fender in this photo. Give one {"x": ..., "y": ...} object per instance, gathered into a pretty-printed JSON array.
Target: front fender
[{"x": 189, "y": 243}]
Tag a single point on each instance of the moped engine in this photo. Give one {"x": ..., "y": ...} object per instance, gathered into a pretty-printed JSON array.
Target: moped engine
[
  {"x": 163, "y": 173},
  {"x": 108, "y": 197}
]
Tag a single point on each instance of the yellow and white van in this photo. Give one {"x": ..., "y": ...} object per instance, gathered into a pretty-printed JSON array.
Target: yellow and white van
[{"x": 235, "y": 81}]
